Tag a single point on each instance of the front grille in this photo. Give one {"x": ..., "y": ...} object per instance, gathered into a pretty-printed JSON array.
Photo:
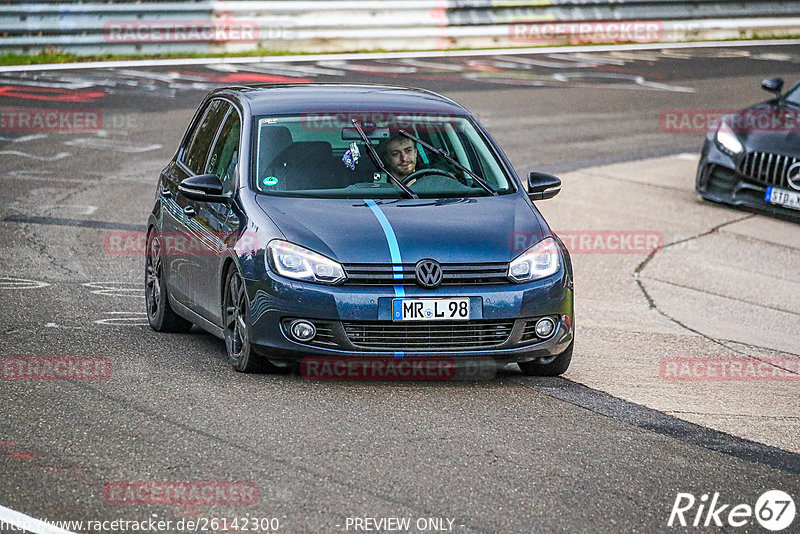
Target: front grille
[
  {"x": 429, "y": 336},
  {"x": 529, "y": 332},
  {"x": 378, "y": 274},
  {"x": 767, "y": 168},
  {"x": 324, "y": 337}
]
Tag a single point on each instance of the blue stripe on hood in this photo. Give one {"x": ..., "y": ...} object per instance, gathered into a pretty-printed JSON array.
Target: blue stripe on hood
[{"x": 394, "y": 251}]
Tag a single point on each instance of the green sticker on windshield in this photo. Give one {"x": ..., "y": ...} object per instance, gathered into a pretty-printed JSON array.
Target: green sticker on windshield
[{"x": 270, "y": 180}]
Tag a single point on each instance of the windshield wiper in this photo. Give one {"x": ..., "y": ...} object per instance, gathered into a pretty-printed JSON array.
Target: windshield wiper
[
  {"x": 378, "y": 163},
  {"x": 453, "y": 161}
]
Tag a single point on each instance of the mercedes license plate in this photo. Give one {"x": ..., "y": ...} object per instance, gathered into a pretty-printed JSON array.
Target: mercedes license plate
[{"x": 783, "y": 197}]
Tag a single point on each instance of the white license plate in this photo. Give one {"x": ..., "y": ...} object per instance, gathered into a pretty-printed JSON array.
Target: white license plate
[
  {"x": 430, "y": 309},
  {"x": 783, "y": 197}
]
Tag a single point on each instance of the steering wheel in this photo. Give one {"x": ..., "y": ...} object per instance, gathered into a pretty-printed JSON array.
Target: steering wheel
[{"x": 414, "y": 176}]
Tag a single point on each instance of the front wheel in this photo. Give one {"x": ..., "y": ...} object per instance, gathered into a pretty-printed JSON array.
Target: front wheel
[
  {"x": 236, "y": 314},
  {"x": 557, "y": 366},
  {"x": 159, "y": 313}
]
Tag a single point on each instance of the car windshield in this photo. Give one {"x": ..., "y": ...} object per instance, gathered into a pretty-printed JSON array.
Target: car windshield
[{"x": 325, "y": 156}]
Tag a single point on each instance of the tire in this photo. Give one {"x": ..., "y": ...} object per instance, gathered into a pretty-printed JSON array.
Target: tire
[
  {"x": 556, "y": 367},
  {"x": 159, "y": 313},
  {"x": 236, "y": 323}
]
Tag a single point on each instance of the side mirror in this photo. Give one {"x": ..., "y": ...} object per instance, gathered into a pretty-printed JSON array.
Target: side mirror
[
  {"x": 542, "y": 186},
  {"x": 204, "y": 187},
  {"x": 773, "y": 85}
]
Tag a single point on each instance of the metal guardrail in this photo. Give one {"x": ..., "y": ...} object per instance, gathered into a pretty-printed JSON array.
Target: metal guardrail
[{"x": 205, "y": 26}]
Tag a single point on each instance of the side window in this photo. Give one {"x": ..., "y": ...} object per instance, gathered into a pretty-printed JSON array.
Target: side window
[
  {"x": 225, "y": 155},
  {"x": 196, "y": 155}
]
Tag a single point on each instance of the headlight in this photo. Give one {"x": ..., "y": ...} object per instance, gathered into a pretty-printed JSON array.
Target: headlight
[
  {"x": 541, "y": 260},
  {"x": 728, "y": 140},
  {"x": 298, "y": 263}
]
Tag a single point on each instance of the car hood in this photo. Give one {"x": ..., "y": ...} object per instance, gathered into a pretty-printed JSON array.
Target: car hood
[
  {"x": 465, "y": 230},
  {"x": 769, "y": 139}
]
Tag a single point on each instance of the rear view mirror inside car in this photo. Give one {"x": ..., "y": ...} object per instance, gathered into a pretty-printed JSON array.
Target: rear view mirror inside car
[{"x": 351, "y": 134}]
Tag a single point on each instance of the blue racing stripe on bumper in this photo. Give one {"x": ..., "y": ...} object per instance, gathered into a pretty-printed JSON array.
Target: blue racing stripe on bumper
[{"x": 394, "y": 251}]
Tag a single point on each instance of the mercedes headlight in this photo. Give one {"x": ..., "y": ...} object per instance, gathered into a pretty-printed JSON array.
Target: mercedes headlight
[
  {"x": 728, "y": 140},
  {"x": 299, "y": 263},
  {"x": 541, "y": 260}
]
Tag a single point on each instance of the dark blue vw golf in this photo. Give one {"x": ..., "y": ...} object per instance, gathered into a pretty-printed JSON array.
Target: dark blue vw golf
[{"x": 355, "y": 221}]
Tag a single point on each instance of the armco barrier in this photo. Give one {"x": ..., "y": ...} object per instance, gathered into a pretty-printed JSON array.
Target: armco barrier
[{"x": 148, "y": 27}]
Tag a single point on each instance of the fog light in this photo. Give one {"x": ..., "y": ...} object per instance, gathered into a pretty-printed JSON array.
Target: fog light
[
  {"x": 302, "y": 330},
  {"x": 545, "y": 327}
]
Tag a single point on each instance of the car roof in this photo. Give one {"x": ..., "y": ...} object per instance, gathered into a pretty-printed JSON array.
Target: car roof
[{"x": 282, "y": 99}]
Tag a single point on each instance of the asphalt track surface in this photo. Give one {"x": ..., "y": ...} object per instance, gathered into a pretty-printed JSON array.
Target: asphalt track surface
[{"x": 512, "y": 454}]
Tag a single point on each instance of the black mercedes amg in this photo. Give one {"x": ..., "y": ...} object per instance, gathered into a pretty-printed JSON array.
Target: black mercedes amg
[{"x": 752, "y": 159}]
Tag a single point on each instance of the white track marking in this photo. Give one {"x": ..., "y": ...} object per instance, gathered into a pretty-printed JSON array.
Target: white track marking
[
  {"x": 64, "y": 83},
  {"x": 560, "y": 64},
  {"x": 389, "y": 55},
  {"x": 60, "y": 155},
  {"x": 279, "y": 69},
  {"x": 580, "y": 58},
  {"x": 23, "y": 139},
  {"x": 28, "y": 523},
  {"x": 432, "y": 65},
  {"x": 20, "y": 283},
  {"x": 116, "y": 289},
  {"x": 582, "y": 79},
  {"x": 107, "y": 143},
  {"x": 55, "y": 325},
  {"x": 124, "y": 319}
]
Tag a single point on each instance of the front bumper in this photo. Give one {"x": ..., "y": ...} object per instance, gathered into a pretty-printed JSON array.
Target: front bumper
[
  {"x": 719, "y": 180},
  {"x": 343, "y": 313}
]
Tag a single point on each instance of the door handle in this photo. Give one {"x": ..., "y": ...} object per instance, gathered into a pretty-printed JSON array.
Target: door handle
[
  {"x": 166, "y": 193},
  {"x": 189, "y": 211}
]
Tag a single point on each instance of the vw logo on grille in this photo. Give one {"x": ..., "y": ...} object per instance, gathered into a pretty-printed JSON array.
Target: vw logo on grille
[
  {"x": 793, "y": 176},
  {"x": 429, "y": 273}
]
